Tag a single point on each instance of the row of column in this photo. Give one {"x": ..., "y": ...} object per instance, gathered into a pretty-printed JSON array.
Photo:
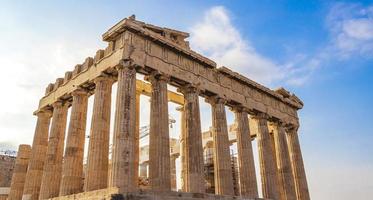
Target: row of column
[{"x": 48, "y": 176}]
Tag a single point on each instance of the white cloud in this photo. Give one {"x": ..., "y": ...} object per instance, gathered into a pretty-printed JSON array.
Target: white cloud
[
  {"x": 216, "y": 37},
  {"x": 30, "y": 59},
  {"x": 351, "y": 28}
]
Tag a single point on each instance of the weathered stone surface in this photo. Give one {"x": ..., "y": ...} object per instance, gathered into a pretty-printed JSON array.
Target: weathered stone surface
[
  {"x": 124, "y": 150},
  {"x": 137, "y": 134},
  {"x": 38, "y": 155},
  {"x": 296, "y": 158},
  {"x": 268, "y": 169},
  {"x": 113, "y": 194},
  {"x": 192, "y": 150},
  {"x": 285, "y": 175},
  {"x": 222, "y": 158},
  {"x": 7, "y": 163},
  {"x": 184, "y": 65},
  {"x": 19, "y": 174},
  {"x": 98, "y": 150},
  {"x": 51, "y": 180},
  {"x": 159, "y": 139},
  {"x": 72, "y": 169},
  {"x": 248, "y": 184}
]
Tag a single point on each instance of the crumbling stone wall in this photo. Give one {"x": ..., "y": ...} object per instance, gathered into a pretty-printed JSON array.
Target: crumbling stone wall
[{"x": 6, "y": 169}]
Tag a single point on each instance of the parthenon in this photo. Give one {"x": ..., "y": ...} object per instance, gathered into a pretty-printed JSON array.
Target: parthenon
[{"x": 51, "y": 169}]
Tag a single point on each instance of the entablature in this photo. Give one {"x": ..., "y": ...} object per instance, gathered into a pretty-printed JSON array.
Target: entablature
[{"x": 148, "y": 50}]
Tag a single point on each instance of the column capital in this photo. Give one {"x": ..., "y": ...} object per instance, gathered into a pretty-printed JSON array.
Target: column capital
[
  {"x": 189, "y": 88},
  {"x": 238, "y": 108},
  {"x": 156, "y": 75},
  {"x": 213, "y": 100},
  {"x": 43, "y": 113},
  {"x": 260, "y": 115},
  {"x": 58, "y": 104},
  {"x": 291, "y": 128},
  {"x": 104, "y": 77},
  {"x": 278, "y": 123},
  {"x": 125, "y": 63},
  {"x": 79, "y": 92}
]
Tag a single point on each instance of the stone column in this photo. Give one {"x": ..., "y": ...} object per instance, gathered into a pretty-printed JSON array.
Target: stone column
[
  {"x": 296, "y": 159},
  {"x": 182, "y": 146},
  {"x": 19, "y": 173},
  {"x": 96, "y": 175},
  {"x": 222, "y": 158},
  {"x": 247, "y": 176},
  {"x": 285, "y": 174},
  {"x": 38, "y": 155},
  {"x": 137, "y": 136},
  {"x": 192, "y": 150},
  {"x": 124, "y": 148},
  {"x": 173, "y": 171},
  {"x": 159, "y": 139},
  {"x": 72, "y": 168},
  {"x": 50, "y": 184},
  {"x": 144, "y": 169},
  {"x": 268, "y": 169}
]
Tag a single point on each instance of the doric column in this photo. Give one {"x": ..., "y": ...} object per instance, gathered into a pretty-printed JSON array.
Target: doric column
[
  {"x": 284, "y": 170},
  {"x": 248, "y": 184},
  {"x": 268, "y": 169},
  {"x": 19, "y": 172},
  {"x": 137, "y": 136},
  {"x": 144, "y": 169},
  {"x": 182, "y": 146},
  {"x": 222, "y": 159},
  {"x": 192, "y": 150},
  {"x": 159, "y": 139},
  {"x": 96, "y": 175},
  {"x": 296, "y": 159},
  {"x": 72, "y": 168},
  {"x": 173, "y": 171},
  {"x": 38, "y": 155},
  {"x": 123, "y": 166},
  {"x": 50, "y": 184}
]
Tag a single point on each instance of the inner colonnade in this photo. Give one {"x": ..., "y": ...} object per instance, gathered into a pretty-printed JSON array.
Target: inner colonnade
[{"x": 164, "y": 58}]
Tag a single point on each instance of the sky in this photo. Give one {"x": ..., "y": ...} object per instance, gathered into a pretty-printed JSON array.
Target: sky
[{"x": 320, "y": 50}]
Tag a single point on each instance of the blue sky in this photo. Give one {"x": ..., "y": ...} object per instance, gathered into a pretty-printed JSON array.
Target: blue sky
[{"x": 320, "y": 50}]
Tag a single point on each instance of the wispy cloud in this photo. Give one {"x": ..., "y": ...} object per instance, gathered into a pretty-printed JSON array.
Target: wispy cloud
[
  {"x": 29, "y": 60},
  {"x": 351, "y": 28},
  {"x": 216, "y": 37}
]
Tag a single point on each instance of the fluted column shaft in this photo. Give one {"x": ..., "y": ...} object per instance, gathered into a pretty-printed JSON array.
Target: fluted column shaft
[
  {"x": 19, "y": 172},
  {"x": 248, "y": 183},
  {"x": 50, "y": 184},
  {"x": 296, "y": 159},
  {"x": 173, "y": 171},
  {"x": 137, "y": 137},
  {"x": 268, "y": 169},
  {"x": 285, "y": 173},
  {"x": 182, "y": 146},
  {"x": 38, "y": 155},
  {"x": 123, "y": 160},
  {"x": 72, "y": 168},
  {"x": 222, "y": 159},
  {"x": 159, "y": 139},
  {"x": 192, "y": 150},
  {"x": 96, "y": 175}
]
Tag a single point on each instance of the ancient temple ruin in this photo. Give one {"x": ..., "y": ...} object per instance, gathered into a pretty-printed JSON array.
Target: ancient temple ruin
[{"x": 164, "y": 57}]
